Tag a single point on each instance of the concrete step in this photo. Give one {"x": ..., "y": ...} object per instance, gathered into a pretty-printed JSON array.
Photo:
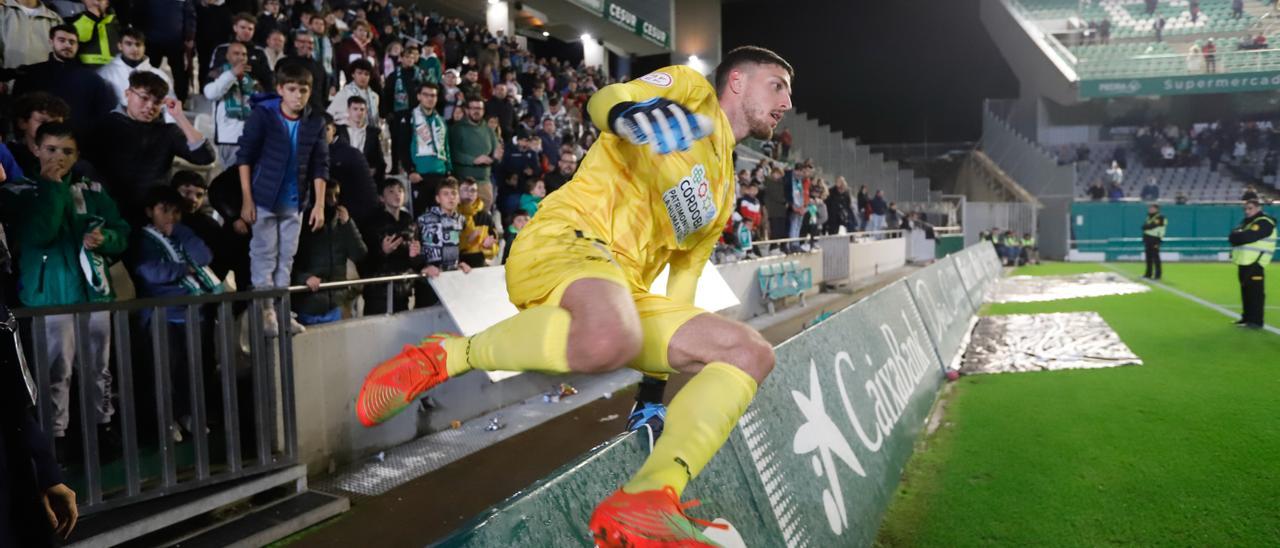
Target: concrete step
[{"x": 266, "y": 525}]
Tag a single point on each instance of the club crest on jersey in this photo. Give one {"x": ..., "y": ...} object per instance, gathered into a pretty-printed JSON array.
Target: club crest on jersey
[{"x": 690, "y": 204}]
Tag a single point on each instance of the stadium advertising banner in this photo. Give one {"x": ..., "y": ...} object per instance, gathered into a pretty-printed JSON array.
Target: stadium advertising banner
[
  {"x": 626, "y": 16},
  {"x": 818, "y": 455},
  {"x": 1181, "y": 85}
]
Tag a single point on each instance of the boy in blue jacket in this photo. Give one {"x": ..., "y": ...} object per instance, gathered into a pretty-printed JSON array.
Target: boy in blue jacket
[{"x": 283, "y": 165}]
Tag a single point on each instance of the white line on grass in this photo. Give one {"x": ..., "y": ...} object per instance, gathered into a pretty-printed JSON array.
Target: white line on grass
[{"x": 1189, "y": 297}]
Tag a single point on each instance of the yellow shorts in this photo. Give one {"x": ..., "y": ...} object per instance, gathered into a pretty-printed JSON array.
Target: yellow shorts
[{"x": 542, "y": 265}]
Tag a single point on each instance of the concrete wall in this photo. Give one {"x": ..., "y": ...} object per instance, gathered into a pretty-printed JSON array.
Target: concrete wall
[{"x": 867, "y": 259}]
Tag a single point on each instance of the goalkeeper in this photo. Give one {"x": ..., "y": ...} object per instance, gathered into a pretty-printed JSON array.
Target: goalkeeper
[{"x": 656, "y": 189}]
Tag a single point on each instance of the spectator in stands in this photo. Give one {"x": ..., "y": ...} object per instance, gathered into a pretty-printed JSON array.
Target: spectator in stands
[
  {"x": 839, "y": 208},
  {"x": 797, "y": 189},
  {"x": 283, "y": 156},
  {"x": 519, "y": 218},
  {"x": 70, "y": 233},
  {"x": 168, "y": 259},
  {"x": 349, "y": 164},
  {"x": 863, "y": 203},
  {"x": 133, "y": 148},
  {"x": 550, "y": 137},
  {"x": 171, "y": 33},
  {"x": 452, "y": 98},
  {"x": 1115, "y": 173},
  {"x": 402, "y": 84},
  {"x": 440, "y": 229},
  {"x": 566, "y": 166},
  {"x": 432, "y": 67},
  {"x": 474, "y": 148},
  {"x": 230, "y": 90},
  {"x": 557, "y": 111},
  {"x": 421, "y": 144},
  {"x": 322, "y": 257},
  {"x": 25, "y": 27},
  {"x": 1150, "y": 191},
  {"x": 29, "y": 112},
  {"x": 393, "y": 247},
  {"x": 879, "y": 209},
  {"x": 303, "y": 51},
  {"x": 359, "y": 134},
  {"x": 132, "y": 57},
  {"x": 360, "y": 72},
  {"x": 522, "y": 160},
  {"x": 62, "y": 75},
  {"x": 323, "y": 51},
  {"x": 535, "y": 191},
  {"x": 274, "y": 50},
  {"x": 357, "y": 47},
  {"x": 1115, "y": 192},
  {"x": 242, "y": 27},
  {"x": 816, "y": 217},
  {"x": 479, "y": 234},
  {"x": 1210, "y": 51},
  {"x": 1240, "y": 150},
  {"x": 269, "y": 21},
  {"x": 893, "y": 219},
  {"x": 535, "y": 102},
  {"x": 749, "y": 207},
  {"x": 208, "y": 225},
  {"x": 1250, "y": 194},
  {"x": 500, "y": 106},
  {"x": 98, "y": 31}
]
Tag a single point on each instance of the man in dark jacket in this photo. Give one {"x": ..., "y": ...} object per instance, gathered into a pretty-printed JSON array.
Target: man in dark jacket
[
  {"x": 566, "y": 166},
  {"x": 879, "y": 209},
  {"x": 393, "y": 246},
  {"x": 304, "y": 47},
  {"x": 34, "y": 503},
  {"x": 346, "y": 164},
  {"x": 322, "y": 257},
  {"x": 359, "y": 134},
  {"x": 242, "y": 25},
  {"x": 133, "y": 148},
  {"x": 62, "y": 75},
  {"x": 171, "y": 35}
]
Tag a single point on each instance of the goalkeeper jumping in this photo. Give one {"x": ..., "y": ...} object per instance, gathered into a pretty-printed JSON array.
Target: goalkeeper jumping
[{"x": 656, "y": 189}]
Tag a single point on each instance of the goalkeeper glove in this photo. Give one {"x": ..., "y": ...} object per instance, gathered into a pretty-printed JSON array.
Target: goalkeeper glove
[{"x": 665, "y": 126}]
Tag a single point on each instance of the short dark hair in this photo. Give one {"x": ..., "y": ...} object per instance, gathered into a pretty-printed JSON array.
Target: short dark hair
[
  {"x": 292, "y": 73},
  {"x": 411, "y": 45},
  {"x": 64, "y": 27},
  {"x": 743, "y": 55},
  {"x": 187, "y": 177},
  {"x": 40, "y": 101},
  {"x": 448, "y": 182},
  {"x": 356, "y": 99},
  {"x": 389, "y": 182},
  {"x": 242, "y": 16},
  {"x": 519, "y": 212},
  {"x": 135, "y": 33},
  {"x": 149, "y": 82},
  {"x": 55, "y": 129},
  {"x": 528, "y": 185},
  {"x": 361, "y": 64},
  {"x": 163, "y": 195},
  {"x": 468, "y": 181},
  {"x": 1254, "y": 203}
]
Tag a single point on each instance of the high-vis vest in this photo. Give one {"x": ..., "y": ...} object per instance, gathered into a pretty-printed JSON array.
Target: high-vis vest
[
  {"x": 97, "y": 38},
  {"x": 1256, "y": 252},
  {"x": 1158, "y": 231},
  {"x": 1028, "y": 242}
]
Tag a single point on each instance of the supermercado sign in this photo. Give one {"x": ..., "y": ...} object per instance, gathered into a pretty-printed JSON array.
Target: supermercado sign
[
  {"x": 817, "y": 456},
  {"x": 1181, "y": 85}
]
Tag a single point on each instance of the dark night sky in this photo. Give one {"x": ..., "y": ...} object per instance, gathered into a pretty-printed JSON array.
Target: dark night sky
[{"x": 884, "y": 71}]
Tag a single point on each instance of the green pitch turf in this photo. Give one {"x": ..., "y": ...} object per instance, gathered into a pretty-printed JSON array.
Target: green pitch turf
[{"x": 1181, "y": 451}]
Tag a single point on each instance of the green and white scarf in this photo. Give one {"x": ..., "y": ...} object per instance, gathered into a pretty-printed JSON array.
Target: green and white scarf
[
  {"x": 236, "y": 101},
  {"x": 93, "y": 265},
  {"x": 203, "y": 281}
]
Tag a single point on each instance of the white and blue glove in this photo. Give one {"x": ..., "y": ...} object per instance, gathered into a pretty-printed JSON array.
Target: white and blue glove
[{"x": 663, "y": 125}]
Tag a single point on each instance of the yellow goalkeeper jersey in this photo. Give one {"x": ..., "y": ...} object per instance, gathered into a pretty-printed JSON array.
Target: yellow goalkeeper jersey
[{"x": 652, "y": 209}]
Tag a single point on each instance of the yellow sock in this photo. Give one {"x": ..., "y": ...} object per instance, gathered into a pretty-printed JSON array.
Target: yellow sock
[
  {"x": 699, "y": 420},
  {"x": 536, "y": 339}
]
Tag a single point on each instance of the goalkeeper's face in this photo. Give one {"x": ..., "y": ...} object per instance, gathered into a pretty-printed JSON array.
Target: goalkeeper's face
[{"x": 766, "y": 97}]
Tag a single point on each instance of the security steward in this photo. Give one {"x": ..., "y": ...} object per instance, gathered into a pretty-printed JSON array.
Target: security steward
[
  {"x": 1152, "y": 235},
  {"x": 1252, "y": 244}
]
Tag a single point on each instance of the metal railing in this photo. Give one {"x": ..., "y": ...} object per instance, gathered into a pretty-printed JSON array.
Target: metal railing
[
  {"x": 240, "y": 415},
  {"x": 1156, "y": 64}
]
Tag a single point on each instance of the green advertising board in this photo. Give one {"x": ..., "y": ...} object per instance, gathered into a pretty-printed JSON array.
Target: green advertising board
[
  {"x": 619, "y": 15},
  {"x": 817, "y": 456},
  {"x": 1181, "y": 85}
]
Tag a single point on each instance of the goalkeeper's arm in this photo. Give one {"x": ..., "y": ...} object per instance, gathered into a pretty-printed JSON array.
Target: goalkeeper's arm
[{"x": 656, "y": 114}]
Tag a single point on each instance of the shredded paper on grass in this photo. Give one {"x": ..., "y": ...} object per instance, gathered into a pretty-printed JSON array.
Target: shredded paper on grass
[
  {"x": 1031, "y": 289},
  {"x": 1044, "y": 342}
]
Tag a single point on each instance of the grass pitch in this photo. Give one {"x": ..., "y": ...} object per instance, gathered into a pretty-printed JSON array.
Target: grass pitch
[{"x": 1184, "y": 450}]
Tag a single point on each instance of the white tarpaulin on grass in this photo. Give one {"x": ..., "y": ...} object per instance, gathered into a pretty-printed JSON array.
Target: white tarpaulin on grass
[
  {"x": 1032, "y": 289},
  {"x": 1044, "y": 342}
]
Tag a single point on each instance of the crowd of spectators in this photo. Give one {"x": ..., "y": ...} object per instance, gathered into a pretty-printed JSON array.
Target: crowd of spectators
[{"x": 345, "y": 133}]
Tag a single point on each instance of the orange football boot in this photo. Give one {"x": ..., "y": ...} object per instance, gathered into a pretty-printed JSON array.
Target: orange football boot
[
  {"x": 648, "y": 519},
  {"x": 394, "y": 384}
]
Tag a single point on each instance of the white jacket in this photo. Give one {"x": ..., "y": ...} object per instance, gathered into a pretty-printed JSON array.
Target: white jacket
[
  {"x": 24, "y": 37},
  {"x": 116, "y": 74},
  {"x": 338, "y": 105},
  {"x": 226, "y": 130}
]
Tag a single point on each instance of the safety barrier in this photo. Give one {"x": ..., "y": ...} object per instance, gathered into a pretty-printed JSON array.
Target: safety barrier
[
  {"x": 817, "y": 456},
  {"x": 1113, "y": 231}
]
